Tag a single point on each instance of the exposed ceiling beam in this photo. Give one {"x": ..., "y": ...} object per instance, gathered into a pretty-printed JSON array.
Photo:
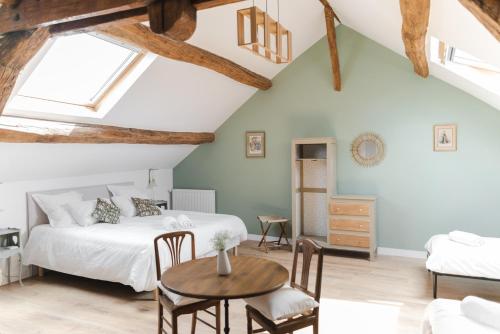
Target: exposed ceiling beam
[
  {"x": 332, "y": 43},
  {"x": 18, "y": 130},
  {"x": 142, "y": 37},
  {"x": 487, "y": 12},
  {"x": 174, "y": 18},
  {"x": 415, "y": 15},
  {"x": 136, "y": 15},
  {"x": 16, "y": 50},
  {"x": 28, "y": 14},
  {"x": 178, "y": 16}
]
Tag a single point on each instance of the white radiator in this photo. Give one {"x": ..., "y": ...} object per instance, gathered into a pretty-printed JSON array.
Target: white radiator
[{"x": 193, "y": 200}]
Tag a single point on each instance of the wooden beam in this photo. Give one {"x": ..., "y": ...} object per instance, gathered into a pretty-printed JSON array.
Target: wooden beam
[
  {"x": 174, "y": 18},
  {"x": 207, "y": 4},
  {"x": 142, "y": 37},
  {"x": 332, "y": 43},
  {"x": 487, "y": 12},
  {"x": 132, "y": 16},
  {"x": 16, "y": 50},
  {"x": 19, "y": 130},
  {"x": 415, "y": 15},
  {"x": 28, "y": 14}
]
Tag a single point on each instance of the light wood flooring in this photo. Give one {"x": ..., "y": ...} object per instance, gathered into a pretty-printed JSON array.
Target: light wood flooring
[{"x": 386, "y": 296}]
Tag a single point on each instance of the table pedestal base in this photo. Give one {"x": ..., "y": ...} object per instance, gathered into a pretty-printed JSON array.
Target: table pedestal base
[{"x": 226, "y": 316}]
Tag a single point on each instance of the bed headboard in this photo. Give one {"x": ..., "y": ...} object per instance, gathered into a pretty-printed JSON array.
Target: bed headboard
[{"x": 37, "y": 217}]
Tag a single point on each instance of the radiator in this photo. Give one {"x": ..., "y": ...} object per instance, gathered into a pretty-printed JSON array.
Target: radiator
[{"x": 193, "y": 200}]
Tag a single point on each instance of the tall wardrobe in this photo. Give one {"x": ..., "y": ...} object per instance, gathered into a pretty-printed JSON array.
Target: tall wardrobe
[{"x": 313, "y": 183}]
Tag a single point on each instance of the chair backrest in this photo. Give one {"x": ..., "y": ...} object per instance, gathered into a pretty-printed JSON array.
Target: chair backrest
[
  {"x": 174, "y": 242},
  {"x": 308, "y": 248}
]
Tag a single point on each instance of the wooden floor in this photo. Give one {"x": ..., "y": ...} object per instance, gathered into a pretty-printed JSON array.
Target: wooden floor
[{"x": 386, "y": 296}]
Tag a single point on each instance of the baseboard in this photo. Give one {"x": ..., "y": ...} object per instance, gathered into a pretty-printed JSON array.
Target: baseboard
[
  {"x": 401, "y": 252},
  {"x": 380, "y": 250}
]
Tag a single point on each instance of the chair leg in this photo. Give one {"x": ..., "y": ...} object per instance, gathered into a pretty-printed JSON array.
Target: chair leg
[
  {"x": 160, "y": 318},
  {"x": 316, "y": 326},
  {"x": 217, "y": 318},
  {"x": 175, "y": 329},
  {"x": 249, "y": 323},
  {"x": 434, "y": 288},
  {"x": 193, "y": 323}
]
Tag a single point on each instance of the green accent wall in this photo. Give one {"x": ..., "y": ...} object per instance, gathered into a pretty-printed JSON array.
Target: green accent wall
[{"x": 420, "y": 192}]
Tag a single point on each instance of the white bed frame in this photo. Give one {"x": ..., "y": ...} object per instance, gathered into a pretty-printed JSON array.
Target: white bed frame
[{"x": 36, "y": 216}]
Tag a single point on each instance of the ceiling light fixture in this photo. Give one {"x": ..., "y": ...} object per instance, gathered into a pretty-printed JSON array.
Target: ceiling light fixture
[{"x": 259, "y": 33}]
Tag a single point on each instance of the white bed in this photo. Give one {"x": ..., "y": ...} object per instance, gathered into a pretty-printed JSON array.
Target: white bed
[
  {"x": 120, "y": 253},
  {"x": 451, "y": 258},
  {"x": 444, "y": 316}
]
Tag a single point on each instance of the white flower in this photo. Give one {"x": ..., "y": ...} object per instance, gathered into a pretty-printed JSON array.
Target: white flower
[{"x": 219, "y": 240}]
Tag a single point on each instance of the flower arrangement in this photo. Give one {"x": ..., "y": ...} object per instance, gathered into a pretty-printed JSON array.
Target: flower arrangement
[{"x": 219, "y": 241}]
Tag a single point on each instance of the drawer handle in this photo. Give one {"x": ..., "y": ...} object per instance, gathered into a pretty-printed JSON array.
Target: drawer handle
[{"x": 360, "y": 226}]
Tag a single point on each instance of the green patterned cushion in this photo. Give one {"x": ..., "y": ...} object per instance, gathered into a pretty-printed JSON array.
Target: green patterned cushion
[
  {"x": 106, "y": 212},
  {"x": 146, "y": 207}
]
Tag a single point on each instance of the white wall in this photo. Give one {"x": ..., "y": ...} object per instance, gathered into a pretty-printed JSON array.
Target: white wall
[{"x": 13, "y": 207}]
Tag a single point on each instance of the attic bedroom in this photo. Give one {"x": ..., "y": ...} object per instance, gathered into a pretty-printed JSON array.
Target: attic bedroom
[{"x": 248, "y": 166}]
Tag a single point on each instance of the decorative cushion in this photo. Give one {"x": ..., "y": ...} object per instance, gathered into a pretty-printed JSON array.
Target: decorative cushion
[
  {"x": 283, "y": 303},
  {"x": 146, "y": 207},
  {"x": 82, "y": 211},
  {"x": 125, "y": 204},
  {"x": 106, "y": 212},
  {"x": 178, "y": 300},
  {"x": 53, "y": 206}
]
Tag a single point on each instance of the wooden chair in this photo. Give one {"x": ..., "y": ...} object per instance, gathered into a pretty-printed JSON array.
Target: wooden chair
[
  {"x": 300, "y": 320},
  {"x": 177, "y": 305}
]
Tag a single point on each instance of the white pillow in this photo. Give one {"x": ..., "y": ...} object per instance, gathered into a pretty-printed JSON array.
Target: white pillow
[
  {"x": 481, "y": 310},
  {"x": 125, "y": 204},
  {"x": 52, "y": 205},
  {"x": 128, "y": 191},
  {"x": 283, "y": 303},
  {"x": 81, "y": 212}
]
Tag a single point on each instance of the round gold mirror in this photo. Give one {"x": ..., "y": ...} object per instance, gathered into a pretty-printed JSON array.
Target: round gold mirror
[{"x": 368, "y": 149}]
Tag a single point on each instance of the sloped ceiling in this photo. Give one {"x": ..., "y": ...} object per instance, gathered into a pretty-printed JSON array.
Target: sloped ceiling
[{"x": 177, "y": 96}]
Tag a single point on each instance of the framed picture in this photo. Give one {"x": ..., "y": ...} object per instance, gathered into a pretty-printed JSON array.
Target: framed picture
[
  {"x": 445, "y": 137},
  {"x": 256, "y": 144}
]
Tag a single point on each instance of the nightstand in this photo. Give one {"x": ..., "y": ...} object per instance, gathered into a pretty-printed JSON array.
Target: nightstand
[
  {"x": 10, "y": 245},
  {"x": 161, "y": 203}
]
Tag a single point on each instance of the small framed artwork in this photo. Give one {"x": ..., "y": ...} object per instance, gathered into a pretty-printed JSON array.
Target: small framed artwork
[
  {"x": 256, "y": 144},
  {"x": 445, "y": 138}
]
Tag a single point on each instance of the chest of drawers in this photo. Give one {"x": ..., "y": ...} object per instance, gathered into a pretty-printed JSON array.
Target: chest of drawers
[{"x": 352, "y": 223}]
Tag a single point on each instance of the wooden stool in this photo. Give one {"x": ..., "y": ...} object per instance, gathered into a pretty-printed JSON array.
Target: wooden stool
[{"x": 265, "y": 225}]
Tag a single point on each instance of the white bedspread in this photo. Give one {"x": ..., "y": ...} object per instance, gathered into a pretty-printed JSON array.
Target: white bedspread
[
  {"x": 123, "y": 252},
  {"x": 443, "y": 316},
  {"x": 449, "y": 257}
]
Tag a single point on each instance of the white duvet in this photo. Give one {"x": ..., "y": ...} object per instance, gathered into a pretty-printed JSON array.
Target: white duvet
[
  {"x": 124, "y": 252},
  {"x": 443, "y": 316},
  {"x": 450, "y": 257}
]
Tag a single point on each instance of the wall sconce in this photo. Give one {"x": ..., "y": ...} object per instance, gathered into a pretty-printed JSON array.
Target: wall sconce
[
  {"x": 152, "y": 181},
  {"x": 264, "y": 36}
]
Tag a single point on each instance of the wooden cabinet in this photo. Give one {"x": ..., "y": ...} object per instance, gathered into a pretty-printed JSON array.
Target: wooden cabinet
[{"x": 352, "y": 223}]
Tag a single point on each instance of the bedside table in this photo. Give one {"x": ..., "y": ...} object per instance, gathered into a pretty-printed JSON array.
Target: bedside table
[
  {"x": 10, "y": 245},
  {"x": 161, "y": 203}
]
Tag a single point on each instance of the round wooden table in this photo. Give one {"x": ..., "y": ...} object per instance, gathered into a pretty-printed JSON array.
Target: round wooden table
[{"x": 250, "y": 277}]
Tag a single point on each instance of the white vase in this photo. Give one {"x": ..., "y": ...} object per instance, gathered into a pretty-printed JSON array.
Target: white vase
[{"x": 223, "y": 264}]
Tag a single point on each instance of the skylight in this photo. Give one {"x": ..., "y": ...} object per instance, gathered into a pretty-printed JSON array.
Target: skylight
[
  {"x": 79, "y": 70},
  {"x": 466, "y": 65}
]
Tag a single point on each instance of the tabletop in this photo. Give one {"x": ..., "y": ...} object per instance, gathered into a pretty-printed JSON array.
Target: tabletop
[{"x": 250, "y": 277}]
